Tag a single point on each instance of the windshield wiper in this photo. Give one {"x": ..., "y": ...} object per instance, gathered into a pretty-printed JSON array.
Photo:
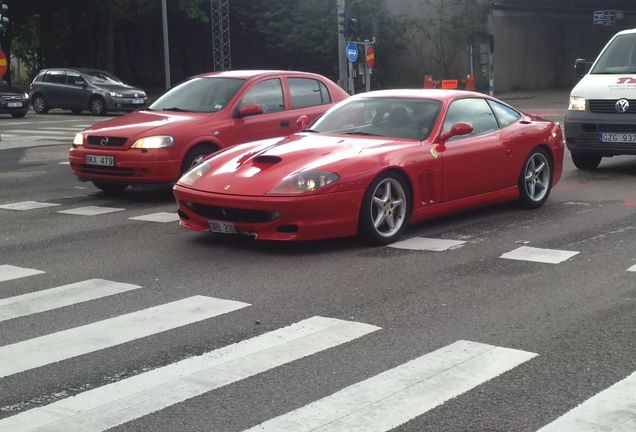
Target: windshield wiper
[
  {"x": 177, "y": 109},
  {"x": 361, "y": 133},
  {"x": 310, "y": 131}
]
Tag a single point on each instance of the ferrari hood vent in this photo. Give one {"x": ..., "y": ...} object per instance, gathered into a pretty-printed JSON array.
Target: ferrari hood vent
[{"x": 268, "y": 159}]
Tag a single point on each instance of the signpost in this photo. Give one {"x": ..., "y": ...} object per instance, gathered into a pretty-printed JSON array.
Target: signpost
[
  {"x": 3, "y": 63},
  {"x": 370, "y": 55},
  {"x": 607, "y": 17},
  {"x": 352, "y": 52}
]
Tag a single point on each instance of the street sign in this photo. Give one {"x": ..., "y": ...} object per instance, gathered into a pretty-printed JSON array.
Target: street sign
[
  {"x": 3, "y": 63},
  {"x": 352, "y": 52},
  {"x": 607, "y": 17},
  {"x": 370, "y": 55}
]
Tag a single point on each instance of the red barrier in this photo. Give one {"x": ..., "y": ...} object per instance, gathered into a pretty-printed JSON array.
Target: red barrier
[{"x": 456, "y": 84}]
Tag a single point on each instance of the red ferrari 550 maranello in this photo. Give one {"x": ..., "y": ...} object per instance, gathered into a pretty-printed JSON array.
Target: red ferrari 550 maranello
[{"x": 372, "y": 164}]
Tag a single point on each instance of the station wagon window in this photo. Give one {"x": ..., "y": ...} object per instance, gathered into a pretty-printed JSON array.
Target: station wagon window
[
  {"x": 307, "y": 92},
  {"x": 75, "y": 79},
  {"x": 474, "y": 111},
  {"x": 505, "y": 115},
  {"x": 268, "y": 94}
]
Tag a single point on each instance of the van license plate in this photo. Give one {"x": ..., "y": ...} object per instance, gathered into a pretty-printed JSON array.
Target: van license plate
[
  {"x": 221, "y": 227},
  {"x": 617, "y": 137},
  {"x": 100, "y": 160}
]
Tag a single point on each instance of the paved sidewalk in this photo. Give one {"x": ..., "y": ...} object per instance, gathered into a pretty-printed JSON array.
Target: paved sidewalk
[{"x": 542, "y": 102}]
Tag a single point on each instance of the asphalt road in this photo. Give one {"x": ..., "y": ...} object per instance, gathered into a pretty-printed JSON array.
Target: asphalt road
[{"x": 502, "y": 344}]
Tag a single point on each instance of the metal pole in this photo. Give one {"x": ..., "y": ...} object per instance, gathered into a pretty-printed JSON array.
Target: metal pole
[
  {"x": 342, "y": 56},
  {"x": 367, "y": 72},
  {"x": 166, "y": 48}
]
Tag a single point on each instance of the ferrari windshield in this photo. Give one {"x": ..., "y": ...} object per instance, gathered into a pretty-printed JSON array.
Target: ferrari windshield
[
  {"x": 199, "y": 95},
  {"x": 619, "y": 57},
  {"x": 408, "y": 118}
]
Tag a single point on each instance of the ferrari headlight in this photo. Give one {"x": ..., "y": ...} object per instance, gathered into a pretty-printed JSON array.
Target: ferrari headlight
[
  {"x": 195, "y": 174},
  {"x": 79, "y": 139},
  {"x": 305, "y": 182},
  {"x": 154, "y": 142},
  {"x": 576, "y": 103},
  {"x": 116, "y": 94}
]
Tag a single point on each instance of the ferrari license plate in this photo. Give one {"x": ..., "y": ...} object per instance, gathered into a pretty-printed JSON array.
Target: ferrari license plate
[
  {"x": 222, "y": 227},
  {"x": 617, "y": 137},
  {"x": 14, "y": 104},
  {"x": 100, "y": 160}
]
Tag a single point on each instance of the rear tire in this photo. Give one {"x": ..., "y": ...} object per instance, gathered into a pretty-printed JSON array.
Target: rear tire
[
  {"x": 196, "y": 155},
  {"x": 39, "y": 104},
  {"x": 97, "y": 106},
  {"x": 385, "y": 209},
  {"x": 535, "y": 180},
  {"x": 110, "y": 188},
  {"x": 586, "y": 161},
  {"x": 18, "y": 114}
]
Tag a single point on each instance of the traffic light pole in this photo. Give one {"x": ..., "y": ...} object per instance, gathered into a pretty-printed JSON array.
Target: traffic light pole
[
  {"x": 342, "y": 59},
  {"x": 166, "y": 48}
]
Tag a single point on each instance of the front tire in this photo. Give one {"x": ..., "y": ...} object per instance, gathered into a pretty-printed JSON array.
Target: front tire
[
  {"x": 39, "y": 104},
  {"x": 385, "y": 209},
  {"x": 586, "y": 161},
  {"x": 535, "y": 181},
  {"x": 196, "y": 155},
  {"x": 98, "y": 106},
  {"x": 20, "y": 114},
  {"x": 110, "y": 188}
]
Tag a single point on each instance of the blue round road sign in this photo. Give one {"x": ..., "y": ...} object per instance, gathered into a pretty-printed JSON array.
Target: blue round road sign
[{"x": 352, "y": 52}]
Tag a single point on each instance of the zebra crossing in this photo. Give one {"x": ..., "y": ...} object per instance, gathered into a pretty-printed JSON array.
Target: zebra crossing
[
  {"x": 33, "y": 133},
  {"x": 379, "y": 403}
]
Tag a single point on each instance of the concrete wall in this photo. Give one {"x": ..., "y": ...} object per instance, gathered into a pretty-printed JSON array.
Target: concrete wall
[{"x": 536, "y": 50}]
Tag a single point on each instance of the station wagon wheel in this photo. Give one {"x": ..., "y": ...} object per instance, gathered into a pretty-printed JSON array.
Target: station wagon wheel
[
  {"x": 39, "y": 104},
  {"x": 535, "y": 181},
  {"x": 98, "y": 106},
  {"x": 385, "y": 209}
]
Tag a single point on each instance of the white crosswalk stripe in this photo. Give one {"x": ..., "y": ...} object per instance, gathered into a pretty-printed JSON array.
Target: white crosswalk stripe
[
  {"x": 9, "y": 272},
  {"x": 548, "y": 256},
  {"x": 91, "y": 210},
  {"x": 117, "y": 403},
  {"x": 27, "y": 205},
  {"x": 161, "y": 217},
  {"x": 427, "y": 244},
  {"x": 612, "y": 410},
  {"x": 77, "y": 341},
  {"x": 396, "y": 396},
  {"x": 65, "y": 295}
]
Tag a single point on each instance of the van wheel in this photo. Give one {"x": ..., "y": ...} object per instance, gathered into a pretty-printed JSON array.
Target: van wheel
[
  {"x": 586, "y": 161},
  {"x": 39, "y": 104}
]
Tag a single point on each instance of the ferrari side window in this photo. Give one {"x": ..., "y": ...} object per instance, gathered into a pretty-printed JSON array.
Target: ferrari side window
[
  {"x": 505, "y": 115},
  {"x": 474, "y": 111},
  {"x": 268, "y": 94}
]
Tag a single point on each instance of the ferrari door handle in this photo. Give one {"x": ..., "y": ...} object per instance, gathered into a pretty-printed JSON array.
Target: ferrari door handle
[{"x": 285, "y": 123}]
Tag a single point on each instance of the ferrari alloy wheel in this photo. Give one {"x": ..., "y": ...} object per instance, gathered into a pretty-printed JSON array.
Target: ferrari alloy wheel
[
  {"x": 385, "y": 210},
  {"x": 586, "y": 161},
  {"x": 536, "y": 179},
  {"x": 110, "y": 188},
  {"x": 39, "y": 105}
]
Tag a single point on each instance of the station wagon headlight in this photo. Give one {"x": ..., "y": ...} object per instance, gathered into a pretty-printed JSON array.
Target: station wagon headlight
[
  {"x": 26, "y": 96},
  {"x": 116, "y": 94},
  {"x": 79, "y": 139},
  {"x": 195, "y": 174},
  {"x": 305, "y": 182},
  {"x": 154, "y": 142},
  {"x": 576, "y": 103}
]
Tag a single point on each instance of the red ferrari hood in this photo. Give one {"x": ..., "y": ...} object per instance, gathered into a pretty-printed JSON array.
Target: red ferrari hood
[
  {"x": 255, "y": 169},
  {"x": 142, "y": 122}
]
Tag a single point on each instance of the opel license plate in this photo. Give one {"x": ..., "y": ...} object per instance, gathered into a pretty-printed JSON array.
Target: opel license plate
[
  {"x": 221, "y": 227},
  {"x": 100, "y": 160},
  {"x": 617, "y": 137}
]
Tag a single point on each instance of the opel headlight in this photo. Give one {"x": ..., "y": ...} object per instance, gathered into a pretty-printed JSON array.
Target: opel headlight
[
  {"x": 195, "y": 174},
  {"x": 79, "y": 139},
  {"x": 154, "y": 142},
  {"x": 577, "y": 103},
  {"x": 116, "y": 94},
  {"x": 305, "y": 182}
]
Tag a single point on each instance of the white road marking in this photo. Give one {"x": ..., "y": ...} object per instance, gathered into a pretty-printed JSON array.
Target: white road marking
[
  {"x": 38, "y": 132},
  {"x": 398, "y": 395},
  {"x": 427, "y": 244},
  {"x": 612, "y": 410},
  {"x": 91, "y": 210},
  {"x": 27, "y": 205},
  {"x": 77, "y": 341},
  {"x": 64, "y": 163},
  {"x": 548, "y": 256},
  {"x": 162, "y": 217},
  {"x": 9, "y": 272},
  {"x": 632, "y": 268},
  {"x": 120, "y": 402},
  {"x": 58, "y": 297}
]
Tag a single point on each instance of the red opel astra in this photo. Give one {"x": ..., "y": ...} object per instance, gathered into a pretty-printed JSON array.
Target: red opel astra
[{"x": 195, "y": 119}]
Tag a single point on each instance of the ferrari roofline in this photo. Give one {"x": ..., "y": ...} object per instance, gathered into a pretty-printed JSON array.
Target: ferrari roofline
[{"x": 438, "y": 94}]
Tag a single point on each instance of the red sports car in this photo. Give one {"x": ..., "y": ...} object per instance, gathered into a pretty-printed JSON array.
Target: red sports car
[
  {"x": 204, "y": 114},
  {"x": 374, "y": 163}
]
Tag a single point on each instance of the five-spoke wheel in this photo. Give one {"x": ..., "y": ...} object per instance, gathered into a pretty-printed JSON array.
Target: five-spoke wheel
[
  {"x": 385, "y": 210},
  {"x": 536, "y": 179}
]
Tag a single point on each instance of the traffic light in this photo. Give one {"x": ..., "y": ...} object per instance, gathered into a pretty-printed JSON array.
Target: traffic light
[
  {"x": 4, "y": 7},
  {"x": 348, "y": 25}
]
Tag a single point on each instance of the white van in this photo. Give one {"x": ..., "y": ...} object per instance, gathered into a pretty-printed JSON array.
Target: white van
[{"x": 601, "y": 117}]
